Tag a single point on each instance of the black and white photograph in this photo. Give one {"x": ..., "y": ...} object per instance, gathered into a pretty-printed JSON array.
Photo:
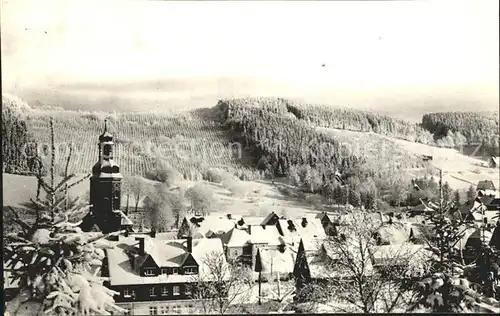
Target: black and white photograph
[{"x": 250, "y": 157}]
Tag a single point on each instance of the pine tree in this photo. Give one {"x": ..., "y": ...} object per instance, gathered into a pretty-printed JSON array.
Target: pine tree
[
  {"x": 457, "y": 198},
  {"x": 445, "y": 287},
  {"x": 53, "y": 260},
  {"x": 471, "y": 193}
]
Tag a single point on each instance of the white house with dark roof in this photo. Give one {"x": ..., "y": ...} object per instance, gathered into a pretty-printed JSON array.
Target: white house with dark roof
[
  {"x": 155, "y": 275},
  {"x": 486, "y": 187},
  {"x": 237, "y": 243}
]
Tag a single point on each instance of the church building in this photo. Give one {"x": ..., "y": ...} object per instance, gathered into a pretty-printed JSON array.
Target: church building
[{"x": 105, "y": 191}]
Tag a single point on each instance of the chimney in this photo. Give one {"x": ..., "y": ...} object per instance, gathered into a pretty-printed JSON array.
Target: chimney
[
  {"x": 229, "y": 216},
  {"x": 304, "y": 222},
  {"x": 153, "y": 233},
  {"x": 189, "y": 242},
  {"x": 249, "y": 229},
  {"x": 141, "y": 245}
]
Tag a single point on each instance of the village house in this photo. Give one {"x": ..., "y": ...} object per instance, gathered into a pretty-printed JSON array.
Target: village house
[
  {"x": 329, "y": 223},
  {"x": 156, "y": 275},
  {"x": 471, "y": 242},
  {"x": 242, "y": 242},
  {"x": 486, "y": 187},
  {"x": 237, "y": 245},
  {"x": 423, "y": 208},
  {"x": 308, "y": 228}
]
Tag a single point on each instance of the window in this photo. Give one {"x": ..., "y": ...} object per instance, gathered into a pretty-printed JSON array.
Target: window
[
  {"x": 235, "y": 252},
  {"x": 176, "y": 290},
  {"x": 152, "y": 292},
  {"x": 166, "y": 310},
  {"x": 164, "y": 291},
  {"x": 128, "y": 311},
  {"x": 164, "y": 271},
  {"x": 126, "y": 292},
  {"x": 107, "y": 150},
  {"x": 175, "y": 270},
  {"x": 153, "y": 310},
  {"x": 149, "y": 271},
  {"x": 190, "y": 270},
  {"x": 187, "y": 289}
]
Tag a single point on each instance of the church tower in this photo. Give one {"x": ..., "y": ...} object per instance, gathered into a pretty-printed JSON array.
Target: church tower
[{"x": 105, "y": 186}]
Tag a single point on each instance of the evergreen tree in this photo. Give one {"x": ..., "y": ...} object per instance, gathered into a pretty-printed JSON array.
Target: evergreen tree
[
  {"x": 445, "y": 288},
  {"x": 457, "y": 198},
  {"x": 471, "y": 193},
  {"x": 52, "y": 258}
]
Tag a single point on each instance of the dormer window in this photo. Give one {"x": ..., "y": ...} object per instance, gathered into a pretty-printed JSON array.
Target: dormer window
[
  {"x": 176, "y": 290},
  {"x": 149, "y": 271},
  {"x": 190, "y": 270},
  {"x": 127, "y": 293},
  {"x": 164, "y": 291},
  {"x": 152, "y": 291}
]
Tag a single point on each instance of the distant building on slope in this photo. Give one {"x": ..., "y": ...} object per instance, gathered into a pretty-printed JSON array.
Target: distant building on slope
[
  {"x": 486, "y": 187},
  {"x": 494, "y": 162}
]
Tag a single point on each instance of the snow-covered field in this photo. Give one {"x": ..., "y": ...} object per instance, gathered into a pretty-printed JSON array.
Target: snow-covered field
[{"x": 459, "y": 170}]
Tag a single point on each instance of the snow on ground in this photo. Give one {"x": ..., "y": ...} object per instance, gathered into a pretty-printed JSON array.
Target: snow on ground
[
  {"x": 458, "y": 169},
  {"x": 263, "y": 198}
]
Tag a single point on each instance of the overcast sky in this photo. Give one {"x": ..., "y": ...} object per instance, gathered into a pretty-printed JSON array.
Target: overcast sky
[{"x": 383, "y": 45}]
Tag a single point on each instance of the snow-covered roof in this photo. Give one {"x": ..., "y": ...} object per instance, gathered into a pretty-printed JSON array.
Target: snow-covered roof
[
  {"x": 265, "y": 235},
  {"x": 236, "y": 237},
  {"x": 268, "y": 218},
  {"x": 207, "y": 225},
  {"x": 415, "y": 254},
  {"x": 486, "y": 185},
  {"x": 253, "y": 220},
  {"x": 273, "y": 259},
  {"x": 395, "y": 233},
  {"x": 322, "y": 262},
  {"x": 294, "y": 230},
  {"x": 168, "y": 253}
]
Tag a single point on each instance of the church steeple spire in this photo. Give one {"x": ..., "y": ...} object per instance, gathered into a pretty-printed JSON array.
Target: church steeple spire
[{"x": 105, "y": 185}]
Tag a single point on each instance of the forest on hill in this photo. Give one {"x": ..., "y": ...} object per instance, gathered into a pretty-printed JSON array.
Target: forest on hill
[
  {"x": 476, "y": 127},
  {"x": 18, "y": 145},
  {"x": 314, "y": 160},
  {"x": 310, "y": 144}
]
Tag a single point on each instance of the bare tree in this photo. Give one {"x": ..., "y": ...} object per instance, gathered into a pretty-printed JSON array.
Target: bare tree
[
  {"x": 163, "y": 207},
  {"x": 355, "y": 283},
  {"x": 220, "y": 287},
  {"x": 201, "y": 198},
  {"x": 137, "y": 187}
]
